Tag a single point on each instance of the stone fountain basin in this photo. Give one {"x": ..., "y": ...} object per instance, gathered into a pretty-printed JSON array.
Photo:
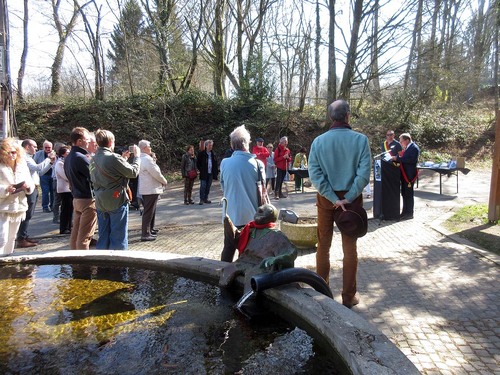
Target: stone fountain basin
[
  {"x": 363, "y": 348},
  {"x": 304, "y": 234}
]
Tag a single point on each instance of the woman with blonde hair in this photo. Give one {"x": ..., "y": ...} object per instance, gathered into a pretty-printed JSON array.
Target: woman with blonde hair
[{"x": 15, "y": 183}]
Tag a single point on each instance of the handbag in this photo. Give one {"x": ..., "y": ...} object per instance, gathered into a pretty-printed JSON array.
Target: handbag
[
  {"x": 192, "y": 174},
  {"x": 262, "y": 196}
]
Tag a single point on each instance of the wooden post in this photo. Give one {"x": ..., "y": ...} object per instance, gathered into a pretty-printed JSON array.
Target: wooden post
[{"x": 494, "y": 202}]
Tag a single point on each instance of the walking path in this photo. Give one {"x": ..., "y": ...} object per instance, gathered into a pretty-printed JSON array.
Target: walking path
[{"x": 435, "y": 296}]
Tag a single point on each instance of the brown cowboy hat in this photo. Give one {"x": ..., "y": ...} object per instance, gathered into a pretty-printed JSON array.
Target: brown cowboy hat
[{"x": 352, "y": 222}]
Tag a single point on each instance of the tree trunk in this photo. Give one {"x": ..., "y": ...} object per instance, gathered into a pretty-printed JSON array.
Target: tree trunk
[
  {"x": 160, "y": 20},
  {"x": 24, "y": 55},
  {"x": 96, "y": 51},
  {"x": 63, "y": 31},
  {"x": 374, "y": 73},
  {"x": 413, "y": 66},
  {"x": 332, "y": 75},
  {"x": 347, "y": 78},
  {"x": 219, "y": 49},
  {"x": 479, "y": 46},
  {"x": 317, "y": 61}
]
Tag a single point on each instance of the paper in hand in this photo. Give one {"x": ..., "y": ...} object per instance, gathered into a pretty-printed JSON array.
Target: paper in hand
[{"x": 387, "y": 156}]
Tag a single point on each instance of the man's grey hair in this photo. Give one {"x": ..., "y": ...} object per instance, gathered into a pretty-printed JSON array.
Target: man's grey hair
[
  {"x": 283, "y": 139},
  {"x": 208, "y": 142},
  {"x": 406, "y": 136},
  {"x": 339, "y": 110},
  {"x": 143, "y": 144},
  {"x": 240, "y": 138}
]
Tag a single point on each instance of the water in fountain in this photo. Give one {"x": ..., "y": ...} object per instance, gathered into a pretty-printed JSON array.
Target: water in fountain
[{"x": 103, "y": 320}]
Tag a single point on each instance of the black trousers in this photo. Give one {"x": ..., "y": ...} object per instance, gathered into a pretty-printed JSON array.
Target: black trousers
[
  {"x": 408, "y": 201},
  {"x": 149, "y": 213},
  {"x": 280, "y": 176},
  {"x": 66, "y": 216}
]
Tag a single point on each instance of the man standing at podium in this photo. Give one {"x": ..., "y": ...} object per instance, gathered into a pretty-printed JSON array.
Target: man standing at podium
[
  {"x": 390, "y": 144},
  {"x": 409, "y": 173},
  {"x": 339, "y": 168}
]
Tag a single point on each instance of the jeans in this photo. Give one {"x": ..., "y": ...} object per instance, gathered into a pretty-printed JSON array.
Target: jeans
[
  {"x": 32, "y": 198},
  {"x": 113, "y": 229},
  {"x": 205, "y": 187},
  {"x": 349, "y": 248},
  {"x": 84, "y": 223},
  {"x": 47, "y": 191}
]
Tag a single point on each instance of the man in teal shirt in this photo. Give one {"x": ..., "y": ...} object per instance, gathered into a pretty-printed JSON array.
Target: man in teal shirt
[{"x": 339, "y": 168}]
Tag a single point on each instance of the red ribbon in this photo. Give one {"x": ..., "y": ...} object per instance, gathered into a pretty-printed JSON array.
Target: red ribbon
[
  {"x": 405, "y": 177},
  {"x": 245, "y": 233}
]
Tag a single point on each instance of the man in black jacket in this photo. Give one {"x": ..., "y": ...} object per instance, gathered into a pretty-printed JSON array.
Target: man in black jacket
[
  {"x": 206, "y": 162},
  {"x": 76, "y": 167}
]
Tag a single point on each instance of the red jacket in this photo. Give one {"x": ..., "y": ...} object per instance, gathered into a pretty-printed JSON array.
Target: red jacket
[
  {"x": 261, "y": 152},
  {"x": 280, "y": 157}
]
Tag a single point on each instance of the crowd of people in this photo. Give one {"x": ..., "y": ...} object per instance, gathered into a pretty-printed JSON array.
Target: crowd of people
[{"x": 86, "y": 185}]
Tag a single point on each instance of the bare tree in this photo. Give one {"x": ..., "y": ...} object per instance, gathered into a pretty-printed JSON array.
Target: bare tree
[
  {"x": 374, "y": 71},
  {"x": 317, "y": 60},
  {"x": 197, "y": 37},
  {"x": 415, "y": 49},
  {"x": 96, "y": 51},
  {"x": 216, "y": 54},
  {"x": 63, "y": 31},
  {"x": 161, "y": 17},
  {"x": 347, "y": 78},
  {"x": 250, "y": 18},
  {"x": 479, "y": 46},
  {"x": 332, "y": 65},
  {"x": 24, "y": 54}
]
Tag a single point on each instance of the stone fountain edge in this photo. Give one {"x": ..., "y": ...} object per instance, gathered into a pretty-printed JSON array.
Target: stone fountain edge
[{"x": 364, "y": 349}]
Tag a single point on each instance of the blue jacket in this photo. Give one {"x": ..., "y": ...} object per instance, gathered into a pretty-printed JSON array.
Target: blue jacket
[
  {"x": 39, "y": 157},
  {"x": 238, "y": 179},
  {"x": 340, "y": 160},
  {"x": 409, "y": 160}
]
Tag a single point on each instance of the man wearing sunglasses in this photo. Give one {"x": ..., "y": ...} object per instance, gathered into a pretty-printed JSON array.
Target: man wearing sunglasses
[{"x": 390, "y": 144}]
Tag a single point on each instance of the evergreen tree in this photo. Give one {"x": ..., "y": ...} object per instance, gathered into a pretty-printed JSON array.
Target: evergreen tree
[{"x": 131, "y": 52}]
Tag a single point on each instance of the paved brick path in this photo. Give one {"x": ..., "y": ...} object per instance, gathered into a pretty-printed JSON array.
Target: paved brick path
[{"x": 437, "y": 299}]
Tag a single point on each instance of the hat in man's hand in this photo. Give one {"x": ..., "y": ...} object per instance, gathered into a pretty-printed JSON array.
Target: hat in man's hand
[
  {"x": 259, "y": 140},
  {"x": 352, "y": 222}
]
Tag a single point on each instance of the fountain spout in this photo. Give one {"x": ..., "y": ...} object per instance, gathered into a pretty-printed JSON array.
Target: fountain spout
[{"x": 265, "y": 281}]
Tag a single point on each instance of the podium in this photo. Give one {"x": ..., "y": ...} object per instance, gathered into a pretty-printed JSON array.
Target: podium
[{"x": 386, "y": 190}]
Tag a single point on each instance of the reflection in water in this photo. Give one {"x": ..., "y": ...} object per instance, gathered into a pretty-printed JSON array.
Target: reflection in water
[{"x": 104, "y": 320}]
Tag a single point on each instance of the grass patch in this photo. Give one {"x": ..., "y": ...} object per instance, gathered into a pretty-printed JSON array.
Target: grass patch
[{"x": 471, "y": 222}]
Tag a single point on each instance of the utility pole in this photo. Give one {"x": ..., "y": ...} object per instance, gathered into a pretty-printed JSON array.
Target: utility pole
[{"x": 5, "y": 90}]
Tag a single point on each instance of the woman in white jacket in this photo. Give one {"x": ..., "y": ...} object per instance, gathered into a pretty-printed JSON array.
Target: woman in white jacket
[
  {"x": 15, "y": 183},
  {"x": 151, "y": 185}
]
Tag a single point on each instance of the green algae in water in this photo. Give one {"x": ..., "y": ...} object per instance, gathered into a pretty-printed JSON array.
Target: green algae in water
[{"x": 81, "y": 319}]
